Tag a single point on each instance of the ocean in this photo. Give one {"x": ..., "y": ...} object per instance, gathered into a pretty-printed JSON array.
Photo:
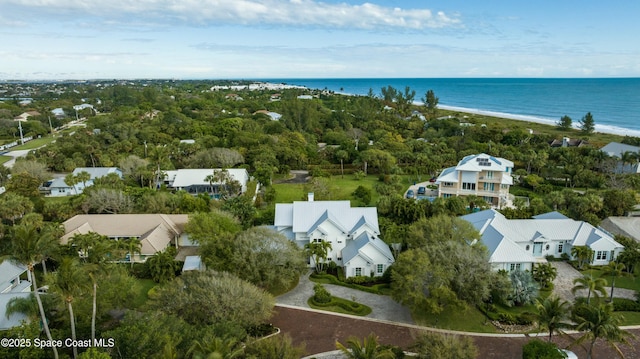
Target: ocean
[{"x": 613, "y": 102}]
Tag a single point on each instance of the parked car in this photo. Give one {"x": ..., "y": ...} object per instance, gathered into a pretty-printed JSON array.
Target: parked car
[
  {"x": 422, "y": 190},
  {"x": 433, "y": 179},
  {"x": 410, "y": 194}
]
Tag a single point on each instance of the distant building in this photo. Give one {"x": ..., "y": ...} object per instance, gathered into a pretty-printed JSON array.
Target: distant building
[
  {"x": 568, "y": 142},
  {"x": 480, "y": 175},
  {"x": 58, "y": 187},
  {"x": 194, "y": 180},
  {"x": 618, "y": 150}
]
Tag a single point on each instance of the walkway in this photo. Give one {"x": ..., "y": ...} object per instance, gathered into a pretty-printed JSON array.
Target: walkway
[
  {"x": 564, "y": 282},
  {"x": 14, "y": 155},
  {"x": 382, "y": 306}
]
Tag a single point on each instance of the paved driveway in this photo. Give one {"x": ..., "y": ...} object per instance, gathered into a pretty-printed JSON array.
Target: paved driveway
[
  {"x": 382, "y": 306},
  {"x": 564, "y": 282}
]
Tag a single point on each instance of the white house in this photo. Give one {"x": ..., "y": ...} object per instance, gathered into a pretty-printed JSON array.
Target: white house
[
  {"x": 519, "y": 243},
  {"x": 58, "y": 187},
  {"x": 12, "y": 286},
  {"x": 615, "y": 149},
  {"x": 481, "y": 175},
  {"x": 352, "y": 231},
  {"x": 194, "y": 180}
]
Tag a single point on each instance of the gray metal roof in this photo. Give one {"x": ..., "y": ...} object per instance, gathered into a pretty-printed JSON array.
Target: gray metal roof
[
  {"x": 304, "y": 215},
  {"x": 618, "y": 149}
]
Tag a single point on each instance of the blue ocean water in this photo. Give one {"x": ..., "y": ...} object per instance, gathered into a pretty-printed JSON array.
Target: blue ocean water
[{"x": 613, "y": 102}]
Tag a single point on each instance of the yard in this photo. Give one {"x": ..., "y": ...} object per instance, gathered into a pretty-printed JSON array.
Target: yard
[
  {"x": 626, "y": 282},
  {"x": 340, "y": 188},
  {"x": 4, "y": 159},
  {"x": 33, "y": 144}
]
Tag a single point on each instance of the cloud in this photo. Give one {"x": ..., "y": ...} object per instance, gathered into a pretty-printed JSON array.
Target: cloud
[{"x": 290, "y": 13}]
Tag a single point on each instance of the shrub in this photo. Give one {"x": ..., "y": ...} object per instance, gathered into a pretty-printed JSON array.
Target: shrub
[
  {"x": 320, "y": 294},
  {"x": 538, "y": 349},
  {"x": 625, "y": 305},
  {"x": 507, "y": 318},
  {"x": 565, "y": 256}
]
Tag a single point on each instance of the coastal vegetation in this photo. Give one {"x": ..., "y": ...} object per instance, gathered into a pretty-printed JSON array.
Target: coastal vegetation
[{"x": 366, "y": 149}]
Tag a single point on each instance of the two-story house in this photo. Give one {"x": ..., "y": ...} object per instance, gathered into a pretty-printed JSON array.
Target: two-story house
[
  {"x": 480, "y": 175},
  {"x": 353, "y": 233}
]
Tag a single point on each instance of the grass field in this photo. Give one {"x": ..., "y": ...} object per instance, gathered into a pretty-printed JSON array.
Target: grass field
[
  {"x": 470, "y": 320},
  {"x": 340, "y": 188},
  {"x": 627, "y": 282},
  {"x": 33, "y": 144},
  {"x": 4, "y": 159},
  {"x": 142, "y": 295},
  {"x": 597, "y": 139}
]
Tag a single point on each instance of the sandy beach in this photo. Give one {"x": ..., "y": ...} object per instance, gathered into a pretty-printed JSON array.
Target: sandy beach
[{"x": 598, "y": 128}]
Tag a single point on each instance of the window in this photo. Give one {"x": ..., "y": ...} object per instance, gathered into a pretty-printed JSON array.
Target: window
[
  {"x": 546, "y": 248},
  {"x": 518, "y": 266},
  {"x": 339, "y": 241},
  {"x": 358, "y": 271},
  {"x": 468, "y": 186},
  {"x": 339, "y": 258},
  {"x": 317, "y": 240},
  {"x": 601, "y": 255},
  {"x": 380, "y": 268},
  {"x": 560, "y": 247},
  {"x": 447, "y": 195},
  {"x": 528, "y": 247},
  {"x": 512, "y": 266},
  {"x": 489, "y": 174}
]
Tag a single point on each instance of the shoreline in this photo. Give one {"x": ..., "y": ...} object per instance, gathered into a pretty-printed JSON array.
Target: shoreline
[{"x": 613, "y": 130}]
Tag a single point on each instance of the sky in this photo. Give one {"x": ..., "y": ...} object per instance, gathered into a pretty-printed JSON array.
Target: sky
[{"x": 261, "y": 39}]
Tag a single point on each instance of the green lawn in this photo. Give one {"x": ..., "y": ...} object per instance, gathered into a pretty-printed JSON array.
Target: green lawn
[
  {"x": 142, "y": 295},
  {"x": 627, "y": 282},
  {"x": 469, "y": 320},
  {"x": 34, "y": 144},
  {"x": 630, "y": 318},
  {"x": 340, "y": 188},
  {"x": 4, "y": 159}
]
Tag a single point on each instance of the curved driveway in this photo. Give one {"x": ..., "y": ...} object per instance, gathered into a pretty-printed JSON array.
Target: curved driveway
[{"x": 382, "y": 306}]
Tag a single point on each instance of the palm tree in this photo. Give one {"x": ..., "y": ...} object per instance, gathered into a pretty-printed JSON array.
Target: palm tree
[
  {"x": 599, "y": 322},
  {"x": 582, "y": 254},
  {"x": 318, "y": 252},
  {"x": 214, "y": 347},
  {"x": 524, "y": 289},
  {"x": 83, "y": 177},
  {"x": 132, "y": 245},
  {"x": 95, "y": 249},
  {"x": 72, "y": 181},
  {"x": 211, "y": 179},
  {"x": 369, "y": 349},
  {"x": 163, "y": 265},
  {"x": 68, "y": 281},
  {"x": 544, "y": 273},
  {"x": 591, "y": 284},
  {"x": 614, "y": 270},
  {"x": 551, "y": 314},
  {"x": 30, "y": 246}
]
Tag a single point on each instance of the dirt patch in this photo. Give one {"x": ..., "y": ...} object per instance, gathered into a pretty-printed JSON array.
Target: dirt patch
[{"x": 297, "y": 176}]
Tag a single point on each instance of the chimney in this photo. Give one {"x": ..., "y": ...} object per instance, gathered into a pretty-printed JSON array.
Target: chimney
[
  {"x": 565, "y": 141},
  {"x": 310, "y": 196}
]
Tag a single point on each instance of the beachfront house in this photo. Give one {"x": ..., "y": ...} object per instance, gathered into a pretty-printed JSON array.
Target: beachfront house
[
  {"x": 155, "y": 232},
  {"x": 628, "y": 157},
  {"x": 59, "y": 187},
  {"x": 13, "y": 284},
  {"x": 353, "y": 233},
  {"x": 212, "y": 181},
  {"x": 480, "y": 175},
  {"x": 521, "y": 243}
]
